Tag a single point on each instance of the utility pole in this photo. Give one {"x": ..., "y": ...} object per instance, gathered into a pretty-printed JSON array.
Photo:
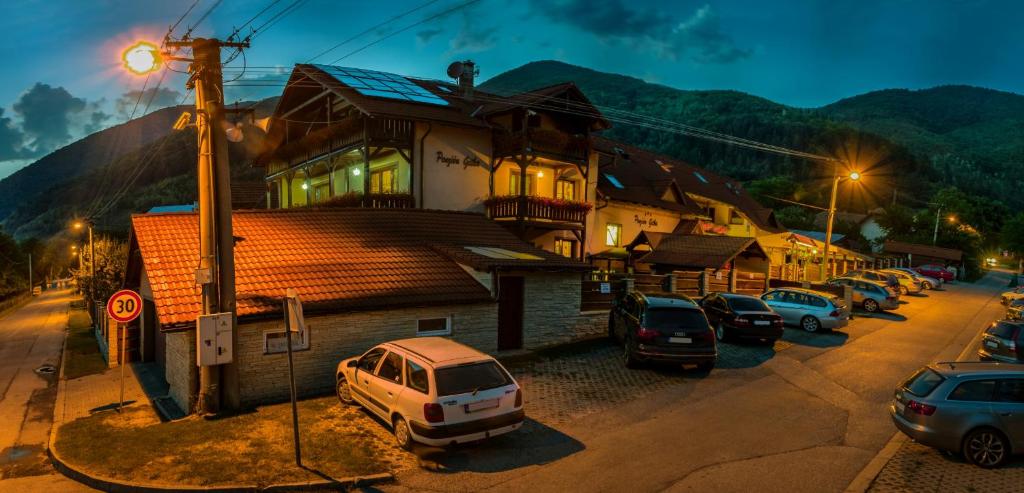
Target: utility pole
[
  {"x": 935, "y": 235},
  {"x": 825, "y": 271},
  {"x": 217, "y": 384},
  {"x": 31, "y": 290}
]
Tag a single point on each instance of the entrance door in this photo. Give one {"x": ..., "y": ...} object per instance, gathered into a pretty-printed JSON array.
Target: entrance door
[{"x": 510, "y": 313}]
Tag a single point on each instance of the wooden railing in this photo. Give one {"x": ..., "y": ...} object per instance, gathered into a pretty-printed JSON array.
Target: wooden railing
[
  {"x": 529, "y": 207},
  {"x": 542, "y": 141},
  {"x": 373, "y": 200}
]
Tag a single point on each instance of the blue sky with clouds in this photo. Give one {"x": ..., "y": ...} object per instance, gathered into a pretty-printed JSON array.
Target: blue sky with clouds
[{"x": 62, "y": 77}]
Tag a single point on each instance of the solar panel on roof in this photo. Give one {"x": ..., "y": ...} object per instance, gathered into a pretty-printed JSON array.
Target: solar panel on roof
[
  {"x": 382, "y": 85},
  {"x": 700, "y": 177}
]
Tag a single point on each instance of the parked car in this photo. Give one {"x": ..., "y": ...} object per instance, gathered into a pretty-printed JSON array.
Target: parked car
[
  {"x": 669, "y": 328},
  {"x": 738, "y": 316},
  {"x": 936, "y": 271},
  {"x": 1015, "y": 310},
  {"x": 1003, "y": 341},
  {"x": 908, "y": 284},
  {"x": 869, "y": 295},
  {"x": 927, "y": 282},
  {"x": 807, "y": 309},
  {"x": 433, "y": 391},
  {"x": 885, "y": 278},
  {"x": 1013, "y": 294},
  {"x": 974, "y": 408}
]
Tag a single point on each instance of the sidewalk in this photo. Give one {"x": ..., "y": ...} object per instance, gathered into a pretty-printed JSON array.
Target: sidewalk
[{"x": 90, "y": 394}]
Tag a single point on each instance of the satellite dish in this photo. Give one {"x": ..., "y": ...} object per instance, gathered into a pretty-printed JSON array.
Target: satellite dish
[
  {"x": 235, "y": 133},
  {"x": 455, "y": 70}
]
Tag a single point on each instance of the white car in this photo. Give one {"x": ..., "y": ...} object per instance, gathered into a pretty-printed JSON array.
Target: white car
[
  {"x": 433, "y": 391},
  {"x": 926, "y": 282},
  {"x": 1014, "y": 294}
]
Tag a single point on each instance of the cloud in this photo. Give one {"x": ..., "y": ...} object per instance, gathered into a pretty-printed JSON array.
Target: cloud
[
  {"x": 699, "y": 37},
  {"x": 11, "y": 139},
  {"x": 152, "y": 98},
  {"x": 47, "y": 116},
  {"x": 472, "y": 38},
  {"x": 426, "y": 35}
]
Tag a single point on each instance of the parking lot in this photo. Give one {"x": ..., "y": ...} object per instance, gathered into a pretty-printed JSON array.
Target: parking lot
[{"x": 806, "y": 414}]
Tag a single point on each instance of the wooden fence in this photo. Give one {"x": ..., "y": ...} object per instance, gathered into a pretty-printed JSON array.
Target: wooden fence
[{"x": 752, "y": 283}]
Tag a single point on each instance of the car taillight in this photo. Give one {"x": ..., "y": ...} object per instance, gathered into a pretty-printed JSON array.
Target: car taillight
[
  {"x": 922, "y": 409},
  {"x": 433, "y": 412},
  {"x": 740, "y": 322},
  {"x": 777, "y": 322},
  {"x": 519, "y": 398},
  {"x": 646, "y": 335},
  {"x": 1011, "y": 344}
]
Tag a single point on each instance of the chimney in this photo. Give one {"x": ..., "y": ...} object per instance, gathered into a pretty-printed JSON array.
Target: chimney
[{"x": 465, "y": 77}]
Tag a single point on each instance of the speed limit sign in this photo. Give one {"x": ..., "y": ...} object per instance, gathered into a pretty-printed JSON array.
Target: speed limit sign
[{"x": 124, "y": 306}]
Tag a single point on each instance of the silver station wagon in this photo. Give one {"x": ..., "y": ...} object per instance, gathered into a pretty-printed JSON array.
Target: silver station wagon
[{"x": 810, "y": 310}]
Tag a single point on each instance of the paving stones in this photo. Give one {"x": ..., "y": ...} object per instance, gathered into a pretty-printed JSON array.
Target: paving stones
[{"x": 917, "y": 468}]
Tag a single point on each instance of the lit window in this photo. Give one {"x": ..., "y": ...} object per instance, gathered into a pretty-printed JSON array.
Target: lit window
[
  {"x": 383, "y": 181},
  {"x": 614, "y": 181},
  {"x": 513, "y": 184},
  {"x": 612, "y": 234},
  {"x": 565, "y": 190},
  {"x": 434, "y": 326},
  {"x": 700, "y": 177},
  {"x": 565, "y": 248}
]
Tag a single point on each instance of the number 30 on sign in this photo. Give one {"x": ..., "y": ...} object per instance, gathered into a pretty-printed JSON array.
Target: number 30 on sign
[{"x": 124, "y": 306}]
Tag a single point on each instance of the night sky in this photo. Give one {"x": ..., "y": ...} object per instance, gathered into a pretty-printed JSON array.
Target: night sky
[{"x": 62, "y": 77}]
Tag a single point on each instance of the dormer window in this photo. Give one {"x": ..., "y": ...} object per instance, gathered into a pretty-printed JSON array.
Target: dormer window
[
  {"x": 700, "y": 177},
  {"x": 614, "y": 181}
]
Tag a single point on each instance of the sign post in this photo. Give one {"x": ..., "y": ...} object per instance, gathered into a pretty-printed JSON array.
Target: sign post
[
  {"x": 293, "y": 322},
  {"x": 124, "y": 306}
]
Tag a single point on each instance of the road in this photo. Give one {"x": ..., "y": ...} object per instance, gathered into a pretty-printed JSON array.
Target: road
[
  {"x": 30, "y": 338},
  {"x": 806, "y": 418}
]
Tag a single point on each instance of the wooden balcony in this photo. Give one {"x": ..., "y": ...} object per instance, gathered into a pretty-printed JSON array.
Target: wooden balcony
[
  {"x": 560, "y": 214},
  {"x": 549, "y": 143},
  {"x": 373, "y": 200}
]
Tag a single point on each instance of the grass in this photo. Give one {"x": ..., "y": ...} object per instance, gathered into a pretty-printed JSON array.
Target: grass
[
  {"x": 82, "y": 352},
  {"x": 254, "y": 448},
  {"x": 13, "y": 303}
]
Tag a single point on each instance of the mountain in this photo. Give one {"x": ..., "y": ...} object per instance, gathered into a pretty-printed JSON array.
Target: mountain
[
  {"x": 917, "y": 140},
  {"x": 112, "y": 173}
]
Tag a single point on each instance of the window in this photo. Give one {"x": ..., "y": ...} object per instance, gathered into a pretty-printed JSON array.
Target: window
[
  {"x": 391, "y": 368},
  {"x": 675, "y": 318},
  {"x": 565, "y": 248},
  {"x": 710, "y": 212},
  {"x": 977, "y": 390},
  {"x": 463, "y": 379},
  {"x": 513, "y": 184},
  {"x": 923, "y": 382},
  {"x": 369, "y": 360},
  {"x": 735, "y": 217},
  {"x": 384, "y": 180},
  {"x": 612, "y": 234},
  {"x": 614, "y": 181},
  {"x": 434, "y": 326},
  {"x": 700, "y": 177},
  {"x": 748, "y": 305},
  {"x": 565, "y": 189},
  {"x": 816, "y": 301},
  {"x": 774, "y": 296},
  {"x": 1011, "y": 390},
  {"x": 416, "y": 377},
  {"x": 321, "y": 193}
]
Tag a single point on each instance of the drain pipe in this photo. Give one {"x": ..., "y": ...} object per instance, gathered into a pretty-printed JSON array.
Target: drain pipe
[{"x": 423, "y": 150}]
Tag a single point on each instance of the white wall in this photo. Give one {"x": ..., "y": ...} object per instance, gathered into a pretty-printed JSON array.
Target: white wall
[{"x": 451, "y": 186}]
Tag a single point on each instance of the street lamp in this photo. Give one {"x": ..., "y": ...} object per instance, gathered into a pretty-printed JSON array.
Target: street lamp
[
  {"x": 853, "y": 176},
  {"x": 79, "y": 225}
]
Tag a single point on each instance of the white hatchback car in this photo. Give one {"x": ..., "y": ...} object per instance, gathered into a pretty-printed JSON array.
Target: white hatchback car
[{"x": 433, "y": 391}]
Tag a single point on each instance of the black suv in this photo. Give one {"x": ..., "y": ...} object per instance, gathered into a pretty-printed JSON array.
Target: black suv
[
  {"x": 665, "y": 328},
  {"x": 741, "y": 316}
]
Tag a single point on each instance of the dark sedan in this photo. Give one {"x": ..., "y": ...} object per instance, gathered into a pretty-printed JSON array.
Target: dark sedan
[{"x": 742, "y": 317}]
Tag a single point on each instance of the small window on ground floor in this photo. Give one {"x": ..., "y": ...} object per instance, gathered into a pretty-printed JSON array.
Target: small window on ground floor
[
  {"x": 612, "y": 234},
  {"x": 434, "y": 326}
]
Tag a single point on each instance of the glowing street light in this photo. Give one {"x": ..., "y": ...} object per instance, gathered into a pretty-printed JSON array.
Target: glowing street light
[
  {"x": 142, "y": 57},
  {"x": 853, "y": 176},
  {"x": 952, "y": 219}
]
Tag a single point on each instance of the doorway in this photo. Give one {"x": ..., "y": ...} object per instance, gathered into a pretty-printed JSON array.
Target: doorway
[{"x": 510, "y": 312}]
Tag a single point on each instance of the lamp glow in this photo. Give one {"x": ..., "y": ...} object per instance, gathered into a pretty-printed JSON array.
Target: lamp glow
[
  {"x": 540, "y": 174},
  {"x": 305, "y": 186},
  {"x": 142, "y": 57},
  {"x": 855, "y": 176},
  {"x": 355, "y": 171}
]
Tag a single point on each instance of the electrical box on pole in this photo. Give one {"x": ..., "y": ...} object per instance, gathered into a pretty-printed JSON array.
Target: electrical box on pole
[{"x": 214, "y": 339}]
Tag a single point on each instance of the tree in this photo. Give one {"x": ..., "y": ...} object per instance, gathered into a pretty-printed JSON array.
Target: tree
[
  {"x": 1013, "y": 235},
  {"x": 111, "y": 258}
]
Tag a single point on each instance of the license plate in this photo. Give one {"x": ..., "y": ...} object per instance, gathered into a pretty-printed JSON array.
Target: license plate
[
  {"x": 761, "y": 322},
  {"x": 680, "y": 340},
  {"x": 481, "y": 405},
  {"x": 900, "y": 407},
  {"x": 992, "y": 344}
]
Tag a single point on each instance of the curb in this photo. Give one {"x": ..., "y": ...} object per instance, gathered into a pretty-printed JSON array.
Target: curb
[
  {"x": 866, "y": 476},
  {"x": 118, "y": 486}
]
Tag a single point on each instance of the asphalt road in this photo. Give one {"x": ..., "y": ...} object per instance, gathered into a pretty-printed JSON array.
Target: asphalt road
[
  {"x": 809, "y": 418},
  {"x": 30, "y": 338}
]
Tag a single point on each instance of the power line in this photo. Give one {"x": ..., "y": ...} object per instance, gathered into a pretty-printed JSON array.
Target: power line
[
  {"x": 371, "y": 29},
  {"x": 261, "y": 12},
  {"x": 201, "y": 19},
  {"x": 170, "y": 30}
]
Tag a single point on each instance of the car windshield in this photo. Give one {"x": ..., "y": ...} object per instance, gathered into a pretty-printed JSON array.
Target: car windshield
[
  {"x": 472, "y": 377},
  {"x": 838, "y": 302},
  {"x": 748, "y": 305},
  {"x": 675, "y": 318},
  {"x": 923, "y": 382}
]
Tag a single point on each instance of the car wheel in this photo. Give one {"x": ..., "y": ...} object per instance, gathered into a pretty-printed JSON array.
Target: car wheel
[
  {"x": 904, "y": 290},
  {"x": 870, "y": 305},
  {"x": 810, "y": 324},
  {"x": 986, "y": 448},
  {"x": 402, "y": 435},
  {"x": 720, "y": 332},
  {"x": 628, "y": 358},
  {"x": 344, "y": 392}
]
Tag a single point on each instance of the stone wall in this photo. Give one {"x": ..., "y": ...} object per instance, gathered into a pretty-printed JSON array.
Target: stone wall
[
  {"x": 552, "y": 310},
  {"x": 181, "y": 371},
  {"x": 332, "y": 338}
]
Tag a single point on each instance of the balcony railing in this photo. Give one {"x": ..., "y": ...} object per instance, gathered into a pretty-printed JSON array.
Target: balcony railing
[
  {"x": 534, "y": 208},
  {"x": 542, "y": 141},
  {"x": 373, "y": 200}
]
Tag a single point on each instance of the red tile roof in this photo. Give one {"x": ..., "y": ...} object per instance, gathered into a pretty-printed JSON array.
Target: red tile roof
[
  {"x": 900, "y": 247},
  {"x": 337, "y": 259}
]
